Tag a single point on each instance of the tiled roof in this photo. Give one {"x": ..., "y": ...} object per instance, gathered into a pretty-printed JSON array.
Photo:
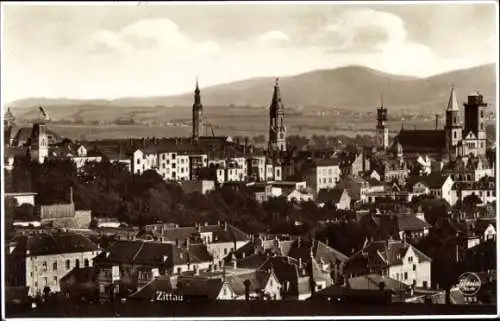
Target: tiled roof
[
  {"x": 330, "y": 195},
  {"x": 199, "y": 287},
  {"x": 372, "y": 282},
  {"x": 148, "y": 291},
  {"x": 382, "y": 253},
  {"x": 420, "y": 141},
  {"x": 50, "y": 243},
  {"x": 434, "y": 180},
  {"x": 257, "y": 280},
  {"x": 152, "y": 253}
]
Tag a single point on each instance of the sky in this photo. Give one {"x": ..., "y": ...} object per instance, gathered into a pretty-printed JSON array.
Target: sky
[{"x": 150, "y": 49}]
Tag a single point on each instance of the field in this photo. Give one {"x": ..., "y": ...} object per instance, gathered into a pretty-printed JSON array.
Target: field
[{"x": 237, "y": 121}]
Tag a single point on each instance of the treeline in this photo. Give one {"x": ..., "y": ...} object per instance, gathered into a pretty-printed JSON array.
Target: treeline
[
  {"x": 110, "y": 190},
  {"x": 316, "y": 141}
]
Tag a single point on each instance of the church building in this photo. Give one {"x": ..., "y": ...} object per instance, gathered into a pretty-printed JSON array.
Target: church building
[{"x": 456, "y": 139}]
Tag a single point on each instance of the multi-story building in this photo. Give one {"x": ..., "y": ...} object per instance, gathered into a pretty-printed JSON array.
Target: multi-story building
[
  {"x": 321, "y": 173},
  {"x": 128, "y": 265},
  {"x": 484, "y": 189},
  {"x": 437, "y": 185},
  {"x": 40, "y": 259},
  {"x": 395, "y": 259}
]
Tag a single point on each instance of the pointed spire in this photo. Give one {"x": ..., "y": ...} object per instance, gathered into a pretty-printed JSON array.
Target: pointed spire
[
  {"x": 8, "y": 117},
  {"x": 197, "y": 89},
  {"x": 452, "y": 102},
  {"x": 382, "y": 100}
]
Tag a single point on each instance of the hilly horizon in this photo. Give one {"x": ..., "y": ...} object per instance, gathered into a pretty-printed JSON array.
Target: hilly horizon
[{"x": 351, "y": 87}]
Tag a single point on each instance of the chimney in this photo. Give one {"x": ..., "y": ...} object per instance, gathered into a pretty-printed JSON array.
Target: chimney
[
  {"x": 300, "y": 263},
  {"x": 235, "y": 264},
  {"x": 196, "y": 270},
  {"x": 437, "y": 121},
  {"x": 187, "y": 243},
  {"x": 177, "y": 243},
  {"x": 225, "y": 226},
  {"x": 299, "y": 241}
]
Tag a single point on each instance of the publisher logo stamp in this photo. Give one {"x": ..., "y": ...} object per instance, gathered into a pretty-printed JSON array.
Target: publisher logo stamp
[{"x": 469, "y": 283}]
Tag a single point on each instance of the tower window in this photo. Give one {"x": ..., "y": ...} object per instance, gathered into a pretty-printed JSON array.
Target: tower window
[
  {"x": 454, "y": 134},
  {"x": 482, "y": 113},
  {"x": 455, "y": 119}
]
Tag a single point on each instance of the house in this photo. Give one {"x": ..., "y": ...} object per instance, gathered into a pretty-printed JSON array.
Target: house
[
  {"x": 336, "y": 196},
  {"x": 42, "y": 258},
  {"x": 127, "y": 265},
  {"x": 395, "y": 259},
  {"x": 22, "y": 198},
  {"x": 484, "y": 189},
  {"x": 305, "y": 265},
  {"x": 200, "y": 186},
  {"x": 321, "y": 173},
  {"x": 486, "y": 229},
  {"x": 219, "y": 240},
  {"x": 398, "y": 225},
  {"x": 301, "y": 195},
  {"x": 436, "y": 184}
]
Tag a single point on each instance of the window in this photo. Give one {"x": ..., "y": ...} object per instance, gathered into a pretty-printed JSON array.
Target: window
[
  {"x": 414, "y": 267},
  {"x": 77, "y": 263},
  {"x": 45, "y": 281},
  {"x": 406, "y": 275},
  {"x": 44, "y": 266},
  {"x": 54, "y": 266},
  {"x": 225, "y": 251},
  {"x": 482, "y": 114},
  {"x": 424, "y": 284},
  {"x": 410, "y": 259},
  {"x": 179, "y": 270},
  {"x": 225, "y": 291},
  {"x": 138, "y": 161},
  {"x": 397, "y": 276},
  {"x": 414, "y": 283},
  {"x": 454, "y": 134},
  {"x": 55, "y": 279},
  {"x": 86, "y": 263}
]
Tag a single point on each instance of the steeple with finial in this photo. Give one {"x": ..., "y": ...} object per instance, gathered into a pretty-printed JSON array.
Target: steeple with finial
[
  {"x": 382, "y": 130},
  {"x": 277, "y": 129},
  {"x": 197, "y": 112},
  {"x": 453, "y": 127}
]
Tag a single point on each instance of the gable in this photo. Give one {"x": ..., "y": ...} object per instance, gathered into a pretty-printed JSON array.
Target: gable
[{"x": 470, "y": 136}]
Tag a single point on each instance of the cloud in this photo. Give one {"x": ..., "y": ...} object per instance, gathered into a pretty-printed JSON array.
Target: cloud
[
  {"x": 361, "y": 30},
  {"x": 150, "y": 35},
  {"x": 274, "y": 36}
]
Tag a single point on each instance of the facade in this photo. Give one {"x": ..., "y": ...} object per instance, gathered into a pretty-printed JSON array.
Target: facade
[
  {"x": 437, "y": 185},
  {"x": 321, "y": 174},
  {"x": 277, "y": 128},
  {"x": 43, "y": 258},
  {"x": 128, "y": 265},
  {"x": 395, "y": 259}
]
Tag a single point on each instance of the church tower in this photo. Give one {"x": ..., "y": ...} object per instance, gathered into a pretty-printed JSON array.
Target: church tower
[
  {"x": 277, "y": 129},
  {"x": 197, "y": 112},
  {"x": 453, "y": 127},
  {"x": 475, "y": 123},
  {"x": 39, "y": 146},
  {"x": 382, "y": 130},
  {"x": 8, "y": 121}
]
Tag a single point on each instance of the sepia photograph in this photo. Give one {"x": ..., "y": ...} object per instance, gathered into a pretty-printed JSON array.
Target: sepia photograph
[{"x": 249, "y": 159}]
